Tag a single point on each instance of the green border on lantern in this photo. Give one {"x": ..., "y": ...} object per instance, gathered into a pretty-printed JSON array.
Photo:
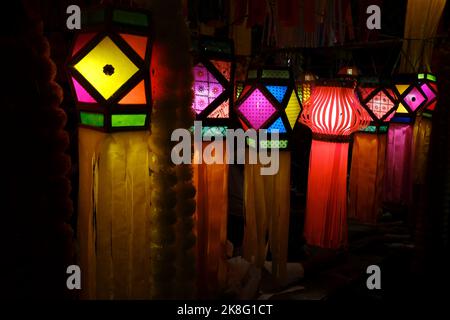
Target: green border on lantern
[
  {"x": 370, "y": 129},
  {"x": 268, "y": 144},
  {"x": 128, "y": 120},
  {"x": 278, "y": 144},
  {"x": 92, "y": 119},
  {"x": 212, "y": 131},
  {"x": 427, "y": 115},
  {"x": 131, "y": 18}
]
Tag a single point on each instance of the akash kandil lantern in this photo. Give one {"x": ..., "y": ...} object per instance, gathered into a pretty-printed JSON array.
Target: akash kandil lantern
[
  {"x": 379, "y": 99},
  {"x": 268, "y": 101},
  {"x": 213, "y": 72},
  {"x": 414, "y": 95},
  {"x": 109, "y": 70},
  {"x": 333, "y": 113}
]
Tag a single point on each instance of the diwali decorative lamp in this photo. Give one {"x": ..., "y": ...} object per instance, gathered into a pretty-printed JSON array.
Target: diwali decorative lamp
[
  {"x": 268, "y": 101},
  {"x": 415, "y": 95},
  {"x": 379, "y": 99},
  {"x": 214, "y": 69},
  {"x": 423, "y": 127},
  {"x": 332, "y": 113},
  {"x": 109, "y": 71}
]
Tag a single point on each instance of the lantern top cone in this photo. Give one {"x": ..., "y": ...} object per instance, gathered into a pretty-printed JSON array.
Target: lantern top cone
[
  {"x": 269, "y": 101},
  {"x": 333, "y": 112},
  {"x": 109, "y": 69}
]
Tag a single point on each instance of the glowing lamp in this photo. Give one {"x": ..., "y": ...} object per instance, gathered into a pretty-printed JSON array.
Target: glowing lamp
[
  {"x": 269, "y": 101},
  {"x": 109, "y": 70},
  {"x": 214, "y": 68},
  {"x": 415, "y": 95},
  {"x": 333, "y": 113},
  {"x": 369, "y": 150},
  {"x": 379, "y": 100}
]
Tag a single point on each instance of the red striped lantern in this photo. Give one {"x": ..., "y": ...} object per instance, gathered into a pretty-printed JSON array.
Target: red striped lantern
[{"x": 333, "y": 113}]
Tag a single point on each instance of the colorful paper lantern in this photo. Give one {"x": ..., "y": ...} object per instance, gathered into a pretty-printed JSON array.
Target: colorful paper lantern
[
  {"x": 269, "y": 101},
  {"x": 213, "y": 89},
  {"x": 379, "y": 100},
  {"x": 416, "y": 94},
  {"x": 427, "y": 82},
  {"x": 369, "y": 150},
  {"x": 109, "y": 69},
  {"x": 333, "y": 113},
  {"x": 214, "y": 68}
]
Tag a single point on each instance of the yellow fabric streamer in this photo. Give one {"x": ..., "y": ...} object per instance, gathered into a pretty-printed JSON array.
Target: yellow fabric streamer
[
  {"x": 267, "y": 208},
  {"x": 211, "y": 183},
  {"x": 113, "y": 216},
  {"x": 422, "y": 134},
  {"x": 422, "y": 20},
  {"x": 366, "y": 177}
]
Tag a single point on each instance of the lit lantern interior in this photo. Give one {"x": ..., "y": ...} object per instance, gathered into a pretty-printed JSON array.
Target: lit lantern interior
[
  {"x": 429, "y": 88},
  {"x": 334, "y": 111},
  {"x": 213, "y": 86},
  {"x": 380, "y": 102},
  {"x": 106, "y": 70},
  {"x": 416, "y": 94},
  {"x": 257, "y": 109},
  {"x": 269, "y": 100},
  {"x": 206, "y": 89},
  {"x": 106, "y": 67}
]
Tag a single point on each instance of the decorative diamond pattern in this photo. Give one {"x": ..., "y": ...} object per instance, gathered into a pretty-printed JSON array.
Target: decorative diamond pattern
[
  {"x": 92, "y": 67},
  {"x": 206, "y": 88},
  {"x": 257, "y": 109},
  {"x": 380, "y": 104},
  {"x": 277, "y": 125},
  {"x": 414, "y": 99}
]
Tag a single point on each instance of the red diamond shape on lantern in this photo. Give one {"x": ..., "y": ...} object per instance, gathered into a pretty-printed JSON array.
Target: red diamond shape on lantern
[
  {"x": 257, "y": 109},
  {"x": 206, "y": 88}
]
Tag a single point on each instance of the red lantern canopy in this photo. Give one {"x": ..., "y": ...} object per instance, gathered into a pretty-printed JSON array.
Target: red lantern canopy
[{"x": 333, "y": 113}]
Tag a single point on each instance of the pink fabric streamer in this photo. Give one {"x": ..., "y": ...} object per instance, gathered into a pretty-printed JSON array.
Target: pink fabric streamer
[{"x": 397, "y": 178}]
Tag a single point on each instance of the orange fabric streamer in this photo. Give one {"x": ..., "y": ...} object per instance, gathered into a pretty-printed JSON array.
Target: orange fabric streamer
[
  {"x": 267, "y": 208},
  {"x": 422, "y": 134},
  {"x": 326, "y": 208},
  {"x": 366, "y": 177},
  {"x": 211, "y": 183}
]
